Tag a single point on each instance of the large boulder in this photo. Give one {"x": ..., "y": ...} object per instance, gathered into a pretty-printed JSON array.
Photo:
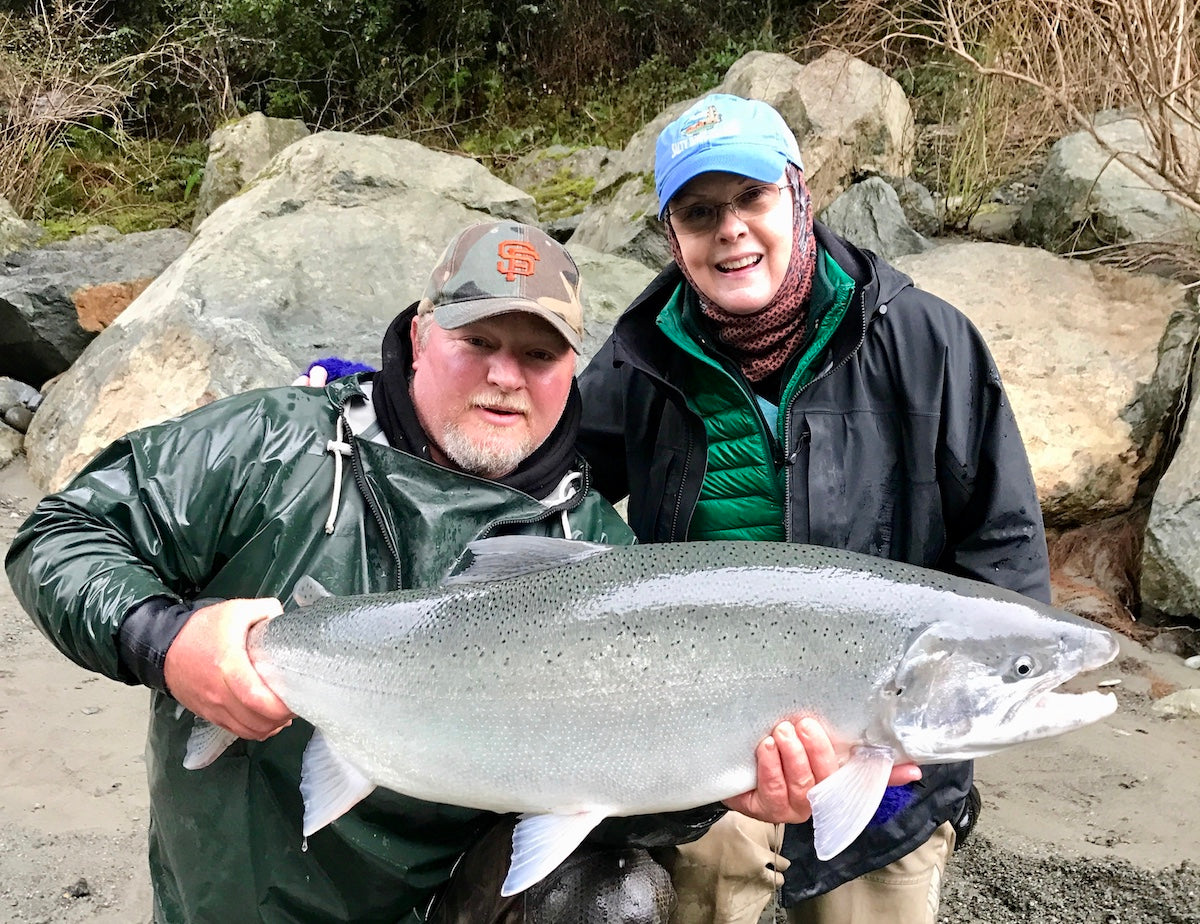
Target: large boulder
[
  {"x": 316, "y": 256},
  {"x": 1171, "y": 555},
  {"x": 1087, "y": 198},
  {"x": 850, "y": 118},
  {"x": 54, "y": 300},
  {"x": 870, "y": 216},
  {"x": 859, "y": 120},
  {"x": 1093, "y": 360},
  {"x": 561, "y": 181},
  {"x": 237, "y": 152}
]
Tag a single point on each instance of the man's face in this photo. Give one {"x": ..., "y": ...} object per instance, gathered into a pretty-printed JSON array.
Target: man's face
[{"x": 488, "y": 394}]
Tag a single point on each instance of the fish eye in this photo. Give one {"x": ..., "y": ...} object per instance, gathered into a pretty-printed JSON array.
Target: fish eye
[{"x": 1023, "y": 666}]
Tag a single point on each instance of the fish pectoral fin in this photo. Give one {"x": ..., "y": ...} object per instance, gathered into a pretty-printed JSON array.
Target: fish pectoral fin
[
  {"x": 502, "y": 557},
  {"x": 541, "y": 842},
  {"x": 329, "y": 783},
  {"x": 205, "y": 744},
  {"x": 844, "y": 802},
  {"x": 308, "y": 590}
]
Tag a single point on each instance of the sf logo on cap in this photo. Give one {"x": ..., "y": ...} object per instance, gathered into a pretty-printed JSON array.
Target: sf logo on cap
[{"x": 517, "y": 258}]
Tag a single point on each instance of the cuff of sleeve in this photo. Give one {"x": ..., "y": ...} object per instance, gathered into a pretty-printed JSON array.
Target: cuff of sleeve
[{"x": 144, "y": 637}]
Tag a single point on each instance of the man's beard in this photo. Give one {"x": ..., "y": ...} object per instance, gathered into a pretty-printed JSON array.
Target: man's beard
[
  {"x": 490, "y": 455},
  {"x": 487, "y": 451}
]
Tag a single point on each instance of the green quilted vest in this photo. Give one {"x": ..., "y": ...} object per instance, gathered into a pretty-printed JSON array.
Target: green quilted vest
[{"x": 742, "y": 496}]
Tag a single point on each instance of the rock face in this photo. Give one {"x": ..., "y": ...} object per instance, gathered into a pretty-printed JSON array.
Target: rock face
[
  {"x": 15, "y": 232},
  {"x": 316, "y": 256},
  {"x": 1087, "y": 198},
  {"x": 868, "y": 214},
  {"x": 1092, "y": 359},
  {"x": 850, "y": 119},
  {"x": 1171, "y": 557},
  {"x": 237, "y": 152},
  {"x": 53, "y": 300}
]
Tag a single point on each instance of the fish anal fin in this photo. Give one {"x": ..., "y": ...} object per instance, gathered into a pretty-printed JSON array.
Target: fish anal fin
[
  {"x": 205, "y": 744},
  {"x": 542, "y": 842},
  {"x": 329, "y": 783},
  {"x": 846, "y": 801},
  {"x": 501, "y": 557}
]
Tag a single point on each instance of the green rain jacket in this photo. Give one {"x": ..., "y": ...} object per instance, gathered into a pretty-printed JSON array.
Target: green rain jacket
[{"x": 231, "y": 501}]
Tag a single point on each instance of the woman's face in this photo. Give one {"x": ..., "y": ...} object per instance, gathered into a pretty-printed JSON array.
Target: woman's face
[{"x": 740, "y": 263}]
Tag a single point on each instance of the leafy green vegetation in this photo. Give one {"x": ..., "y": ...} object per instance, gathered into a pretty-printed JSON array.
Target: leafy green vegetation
[{"x": 94, "y": 176}]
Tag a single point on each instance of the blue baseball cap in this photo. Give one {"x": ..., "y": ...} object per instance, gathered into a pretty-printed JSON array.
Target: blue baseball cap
[{"x": 725, "y": 133}]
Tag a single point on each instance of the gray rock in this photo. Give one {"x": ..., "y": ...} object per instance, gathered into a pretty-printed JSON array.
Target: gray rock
[
  {"x": 236, "y": 153},
  {"x": 561, "y": 181},
  {"x": 18, "y": 394},
  {"x": 18, "y": 417},
  {"x": 1087, "y": 198},
  {"x": 316, "y": 256},
  {"x": 1171, "y": 554},
  {"x": 15, "y": 232},
  {"x": 11, "y": 444},
  {"x": 918, "y": 204},
  {"x": 994, "y": 221},
  {"x": 1092, "y": 360},
  {"x": 41, "y": 291},
  {"x": 868, "y": 214},
  {"x": 850, "y": 119}
]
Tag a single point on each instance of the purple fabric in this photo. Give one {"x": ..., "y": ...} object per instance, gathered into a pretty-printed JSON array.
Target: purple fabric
[
  {"x": 339, "y": 368},
  {"x": 895, "y": 800}
]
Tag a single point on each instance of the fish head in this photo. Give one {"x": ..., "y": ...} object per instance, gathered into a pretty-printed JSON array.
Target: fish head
[{"x": 967, "y": 688}]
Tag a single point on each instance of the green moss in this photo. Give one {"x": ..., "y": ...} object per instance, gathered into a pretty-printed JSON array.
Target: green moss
[
  {"x": 564, "y": 194},
  {"x": 132, "y": 184}
]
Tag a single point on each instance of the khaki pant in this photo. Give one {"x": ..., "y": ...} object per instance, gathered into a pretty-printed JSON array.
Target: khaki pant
[{"x": 731, "y": 874}]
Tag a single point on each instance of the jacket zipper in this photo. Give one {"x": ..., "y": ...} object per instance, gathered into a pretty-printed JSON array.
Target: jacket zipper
[
  {"x": 364, "y": 488},
  {"x": 687, "y": 461},
  {"x": 789, "y": 459},
  {"x": 570, "y": 503}
]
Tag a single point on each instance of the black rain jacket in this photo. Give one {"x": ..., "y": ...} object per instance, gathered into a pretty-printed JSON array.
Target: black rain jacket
[{"x": 903, "y": 446}]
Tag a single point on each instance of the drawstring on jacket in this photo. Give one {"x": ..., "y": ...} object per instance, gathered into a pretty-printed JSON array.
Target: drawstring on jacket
[
  {"x": 564, "y": 492},
  {"x": 339, "y": 447}
]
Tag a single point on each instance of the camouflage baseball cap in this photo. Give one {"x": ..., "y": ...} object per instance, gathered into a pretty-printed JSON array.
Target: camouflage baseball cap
[{"x": 501, "y": 267}]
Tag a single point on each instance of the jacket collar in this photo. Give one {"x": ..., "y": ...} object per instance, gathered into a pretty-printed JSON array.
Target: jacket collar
[{"x": 638, "y": 341}]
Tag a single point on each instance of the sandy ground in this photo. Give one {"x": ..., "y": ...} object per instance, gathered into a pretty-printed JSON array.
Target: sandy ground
[{"x": 1101, "y": 826}]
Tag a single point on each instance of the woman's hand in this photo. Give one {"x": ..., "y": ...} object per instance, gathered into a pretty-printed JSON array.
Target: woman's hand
[{"x": 791, "y": 761}]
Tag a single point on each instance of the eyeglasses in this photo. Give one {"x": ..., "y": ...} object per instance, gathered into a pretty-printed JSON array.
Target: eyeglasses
[{"x": 703, "y": 217}]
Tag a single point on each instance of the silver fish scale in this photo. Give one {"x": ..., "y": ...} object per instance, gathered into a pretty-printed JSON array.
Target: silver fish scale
[{"x": 637, "y": 680}]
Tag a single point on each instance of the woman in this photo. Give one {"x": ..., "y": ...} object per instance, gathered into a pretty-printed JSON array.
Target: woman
[{"x": 776, "y": 383}]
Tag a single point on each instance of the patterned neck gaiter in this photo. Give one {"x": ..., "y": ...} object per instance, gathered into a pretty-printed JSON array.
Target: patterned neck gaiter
[{"x": 762, "y": 342}]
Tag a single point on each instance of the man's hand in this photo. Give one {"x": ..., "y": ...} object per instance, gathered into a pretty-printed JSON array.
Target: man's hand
[
  {"x": 791, "y": 761},
  {"x": 208, "y": 669}
]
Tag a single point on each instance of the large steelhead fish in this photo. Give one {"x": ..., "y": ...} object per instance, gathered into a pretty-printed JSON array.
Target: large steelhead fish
[{"x": 570, "y": 681}]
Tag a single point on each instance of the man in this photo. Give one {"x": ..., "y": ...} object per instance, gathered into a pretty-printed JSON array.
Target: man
[{"x": 154, "y": 563}]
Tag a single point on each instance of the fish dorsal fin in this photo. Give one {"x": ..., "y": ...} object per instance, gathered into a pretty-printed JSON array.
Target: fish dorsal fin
[
  {"x": 308, "y": 590},
  {"x": 512, "y": 556},
  {"x": 205, "y": 744},
  {"x": 542, "y": 842},
  {"x": 844, "y": 802},
  {"x": 329, "y": 783}
]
